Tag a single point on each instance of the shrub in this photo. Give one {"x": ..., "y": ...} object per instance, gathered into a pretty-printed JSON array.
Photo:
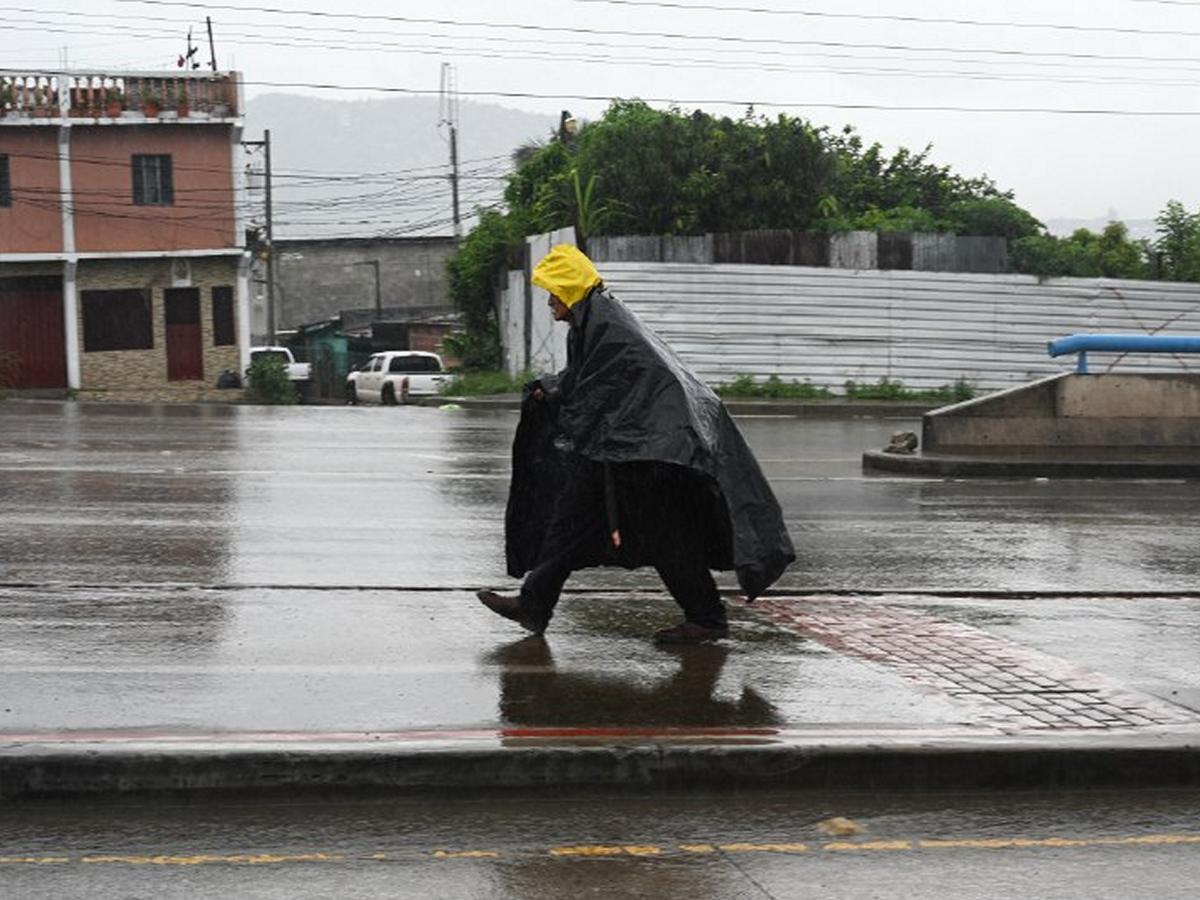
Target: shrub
[{"x": 268, "y": 382}]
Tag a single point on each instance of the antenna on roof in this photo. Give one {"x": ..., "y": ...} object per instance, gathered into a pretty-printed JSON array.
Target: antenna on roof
[{"x": 185, "y": 60}]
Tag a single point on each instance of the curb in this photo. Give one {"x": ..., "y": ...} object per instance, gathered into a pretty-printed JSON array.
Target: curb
[
  {"x": 919, "y": 464},
  {"x": 958, "y": 764},
  {"x": 832, "y": 409}
]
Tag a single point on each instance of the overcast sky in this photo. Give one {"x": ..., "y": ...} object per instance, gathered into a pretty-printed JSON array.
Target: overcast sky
[{"x": 833, "y": 61}]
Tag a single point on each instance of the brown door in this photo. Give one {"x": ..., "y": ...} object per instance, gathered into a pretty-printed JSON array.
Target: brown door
[
  {"x": 185, "y": 348},
  {"x": 33, "y": 350}
]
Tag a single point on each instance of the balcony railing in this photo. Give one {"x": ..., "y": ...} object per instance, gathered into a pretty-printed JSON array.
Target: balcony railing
[{"x": 118, "y": 95}]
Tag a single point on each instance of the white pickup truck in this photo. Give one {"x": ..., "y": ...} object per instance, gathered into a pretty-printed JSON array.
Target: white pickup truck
[{"x": 394, "y": 376}]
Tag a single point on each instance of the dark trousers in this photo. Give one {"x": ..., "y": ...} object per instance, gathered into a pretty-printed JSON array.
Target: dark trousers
[{"x": 683, "y": 573}]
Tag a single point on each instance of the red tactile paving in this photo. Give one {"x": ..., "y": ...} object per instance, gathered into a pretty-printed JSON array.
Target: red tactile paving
[{"x": 1021, "y": 688}]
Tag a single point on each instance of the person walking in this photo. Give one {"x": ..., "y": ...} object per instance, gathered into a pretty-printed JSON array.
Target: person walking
[{"x": 626, "y": 458}]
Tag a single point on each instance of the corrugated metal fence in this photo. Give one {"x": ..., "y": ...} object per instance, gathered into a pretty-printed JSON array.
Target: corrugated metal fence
[{"x": 925, "y": 329}]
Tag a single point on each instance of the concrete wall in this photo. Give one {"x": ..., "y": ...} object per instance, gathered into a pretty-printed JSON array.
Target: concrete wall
[
  {"x": 1071, "y": 413},
  {"x": 530, "y": 338},
  {"x": 317, "y": 279},
  {"x": 784, "y": 247}
]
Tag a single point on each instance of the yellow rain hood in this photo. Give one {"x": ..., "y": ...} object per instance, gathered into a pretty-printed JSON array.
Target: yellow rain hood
[{"x": 567, "y": 274}]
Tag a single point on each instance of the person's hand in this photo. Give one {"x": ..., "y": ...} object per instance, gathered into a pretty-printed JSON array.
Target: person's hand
[{"x": 616, "y": 539}]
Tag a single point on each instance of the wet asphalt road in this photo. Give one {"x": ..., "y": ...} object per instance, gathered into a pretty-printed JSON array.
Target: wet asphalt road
[
  {"x": 1091, "y": 846},
  {"x": 357, "y": 497},
  {"x": 189, "y": 567}
]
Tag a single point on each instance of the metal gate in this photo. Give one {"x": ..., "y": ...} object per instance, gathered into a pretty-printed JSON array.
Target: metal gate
[{"x": 32, "y": 342}]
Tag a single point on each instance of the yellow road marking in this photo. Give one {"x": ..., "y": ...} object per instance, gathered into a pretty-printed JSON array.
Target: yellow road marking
[
  {"x": 464, "y": 854},
  {"x": 244, "y": 859},
  {"x": 868, "y": 845},
  {"x": 697, "y": 848},
  {"x": 764, "y": 848},
  {"x": 603, "y": 850},
  {"x": 643, "y": 851}
]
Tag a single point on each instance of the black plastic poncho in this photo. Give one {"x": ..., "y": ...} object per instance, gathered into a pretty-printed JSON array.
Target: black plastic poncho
[{"x": 628, "y": 411}]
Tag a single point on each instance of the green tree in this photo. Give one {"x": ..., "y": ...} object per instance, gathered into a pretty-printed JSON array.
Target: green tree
[
  {"x": 1177, "y": 247},
  {"x": 473, "y": 270},
  {"x": 639, "y": 170},
  {"x": 994, "y": 216},
  {"x": 1085, "y": 254}
]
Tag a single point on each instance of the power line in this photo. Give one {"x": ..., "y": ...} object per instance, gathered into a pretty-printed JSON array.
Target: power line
[
  {"x": 608, "y": 44},
  {"x": 1008, "y": 57},
  {"x": 183, "y": 167},
  {"x": 720, "y": 65},
  {"x": 560, "y": 29},
  {"x": 878, "y": 17}
]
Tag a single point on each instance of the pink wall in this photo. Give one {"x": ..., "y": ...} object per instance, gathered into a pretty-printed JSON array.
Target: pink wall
[
  {"x": 33, "y": 224},
  {"x": 202, "y": 216}
]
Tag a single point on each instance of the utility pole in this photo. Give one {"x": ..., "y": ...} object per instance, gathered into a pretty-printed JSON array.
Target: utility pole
[
  {"x": 212, "y": 50},
  {"x": 448, "y": 96},
  {"x": 265, "y": 143},
  {"x": 454, "y": 180},
  {"x": 270, "y": 242}
]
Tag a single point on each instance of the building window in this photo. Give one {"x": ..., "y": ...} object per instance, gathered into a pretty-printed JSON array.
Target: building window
[
  {"x": 5, "y": 183},
  {"x": 117, "y": 320},
  {"x": 153, "y": 183},
  {"x": 222, "y": 313}
]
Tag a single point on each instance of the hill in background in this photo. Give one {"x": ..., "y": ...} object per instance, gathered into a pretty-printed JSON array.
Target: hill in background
[{"x": 363, "y": 168}]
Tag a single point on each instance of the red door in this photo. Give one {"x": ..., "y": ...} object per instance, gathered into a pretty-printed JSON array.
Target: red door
[
  {"x": 185, "y": 347},
  {"x": 33, "y": 351}
]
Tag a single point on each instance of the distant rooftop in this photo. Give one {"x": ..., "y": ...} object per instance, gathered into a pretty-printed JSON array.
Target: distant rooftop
[{"x": 114, "y": 96}]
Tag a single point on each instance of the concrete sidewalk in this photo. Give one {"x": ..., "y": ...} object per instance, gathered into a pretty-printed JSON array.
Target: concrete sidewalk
[{"x": 159, "y": 688}]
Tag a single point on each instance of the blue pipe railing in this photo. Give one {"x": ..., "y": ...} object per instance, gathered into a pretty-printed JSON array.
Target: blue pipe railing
[{"x": 1121, "y": 343}]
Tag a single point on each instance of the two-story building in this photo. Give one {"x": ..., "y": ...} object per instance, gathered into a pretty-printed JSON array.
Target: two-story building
[{"x": 123, "y": 269}]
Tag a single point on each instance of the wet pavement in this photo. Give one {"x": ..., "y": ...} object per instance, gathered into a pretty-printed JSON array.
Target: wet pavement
[
  {"x": 255, "y": 575},
  {"x": 329, "y": 496}
]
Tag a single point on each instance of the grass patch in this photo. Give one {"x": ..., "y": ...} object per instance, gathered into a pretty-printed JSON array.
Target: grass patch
[
  {"x": 774, "y": 388},
  {"x": 886, "y": 389},
  {"x": 481, "y": 383}
]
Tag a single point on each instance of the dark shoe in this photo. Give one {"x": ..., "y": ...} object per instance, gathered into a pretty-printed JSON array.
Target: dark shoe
[
  {"x": 510, "y": 608},
  {"x": 689, "y": 633}
]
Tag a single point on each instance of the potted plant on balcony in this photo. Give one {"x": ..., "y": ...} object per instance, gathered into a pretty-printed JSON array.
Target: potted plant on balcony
[
  {"x": 151, "y": 102},
  {"x": 41, "y": 103},
  {"x": 182, "y": 105},
  {"x": 114, "y": 102},
  {"x": 78, "y": 107}
]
